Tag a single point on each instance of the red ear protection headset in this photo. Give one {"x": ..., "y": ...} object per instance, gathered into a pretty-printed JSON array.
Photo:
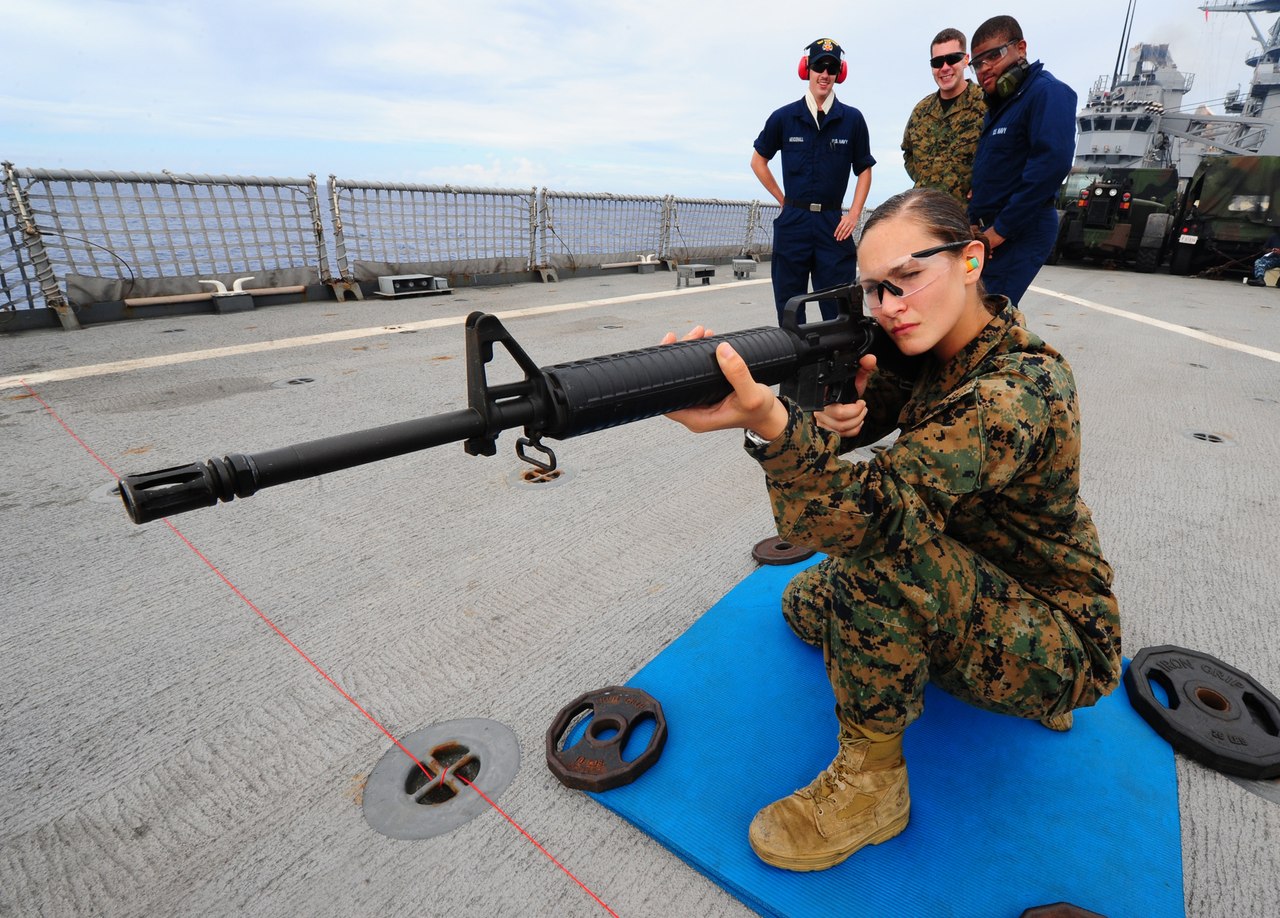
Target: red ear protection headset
[{"x": 803, "y": 69}]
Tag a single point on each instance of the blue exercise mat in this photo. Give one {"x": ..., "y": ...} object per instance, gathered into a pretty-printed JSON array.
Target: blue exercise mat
[{"x": 1005, "y": 814}]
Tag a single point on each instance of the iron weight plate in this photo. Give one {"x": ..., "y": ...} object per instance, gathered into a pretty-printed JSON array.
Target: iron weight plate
[{"x": 1216, "y": 714}]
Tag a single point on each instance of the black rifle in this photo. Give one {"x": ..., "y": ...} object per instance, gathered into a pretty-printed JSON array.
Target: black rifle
[{"x": 811, "y": 362}]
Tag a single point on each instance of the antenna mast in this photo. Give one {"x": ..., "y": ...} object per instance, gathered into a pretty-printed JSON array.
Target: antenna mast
[{"x": 1116, "y": 75}]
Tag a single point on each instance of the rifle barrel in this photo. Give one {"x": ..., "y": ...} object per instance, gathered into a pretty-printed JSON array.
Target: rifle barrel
[{"x": 152, "y": 495}]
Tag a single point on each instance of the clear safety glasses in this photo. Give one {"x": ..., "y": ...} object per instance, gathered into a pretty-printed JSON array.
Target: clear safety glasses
[
  {"x": 987, "y": 59},
  {"x": 923, "y": 268}
]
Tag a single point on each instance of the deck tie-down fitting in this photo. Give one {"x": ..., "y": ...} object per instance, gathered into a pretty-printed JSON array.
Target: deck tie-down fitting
[{"x": 237, "y": 286}]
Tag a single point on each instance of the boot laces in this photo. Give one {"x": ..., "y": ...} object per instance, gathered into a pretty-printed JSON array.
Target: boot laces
[{"x": 832, "y": 781}]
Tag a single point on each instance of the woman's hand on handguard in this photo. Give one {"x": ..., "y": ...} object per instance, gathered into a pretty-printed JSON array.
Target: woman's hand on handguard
[
  {"x": 846, "y": 418},
  {"x": 750, "y": 405}
]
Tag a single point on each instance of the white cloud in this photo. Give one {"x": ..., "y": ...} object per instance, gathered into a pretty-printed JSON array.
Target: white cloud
[
  {"x": 493, "y": 173},
  {"x": 660, "y": 97}
]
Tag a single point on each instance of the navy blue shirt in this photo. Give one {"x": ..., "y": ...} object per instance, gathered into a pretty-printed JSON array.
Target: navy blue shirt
[
  {"x": 1024, "y": 153},
  {"x": 816, "y": 162}
]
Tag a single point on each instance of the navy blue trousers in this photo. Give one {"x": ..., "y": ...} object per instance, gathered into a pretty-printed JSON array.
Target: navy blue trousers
[
  {"x": 1265, "y": 264},
  {"x": 804, "y": 247},
  {"x": 1014, "y": 265}
]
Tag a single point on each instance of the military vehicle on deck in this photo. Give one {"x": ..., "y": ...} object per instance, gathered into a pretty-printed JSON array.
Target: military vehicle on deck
[
  {"x": 1077, "y": 180},
  {"x": 1231, "y": 207},
  {"x": 1123, "y": 215}
]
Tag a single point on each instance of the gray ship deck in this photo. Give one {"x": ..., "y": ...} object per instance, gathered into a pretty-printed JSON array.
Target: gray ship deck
[{"x": 165, "y": 753}]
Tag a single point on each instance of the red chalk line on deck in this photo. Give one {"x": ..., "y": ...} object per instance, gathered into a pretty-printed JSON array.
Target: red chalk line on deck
[{"x": 327, "y": 678}]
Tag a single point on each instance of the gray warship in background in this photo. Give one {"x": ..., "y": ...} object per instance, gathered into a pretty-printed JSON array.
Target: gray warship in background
[
  {"x": 1134, "y": 118},
  {"x": 1153, "y": 184}
]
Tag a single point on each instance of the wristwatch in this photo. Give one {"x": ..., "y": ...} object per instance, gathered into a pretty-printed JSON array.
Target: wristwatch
[{"x": 754, "y": 439}]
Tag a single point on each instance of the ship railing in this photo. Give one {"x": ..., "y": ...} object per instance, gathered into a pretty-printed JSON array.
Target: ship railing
[
  {"x": 389, "y": 228},
  {"x": 121, "y": 241},
  {"x": 711, "y": 228},
  {"x": 20, "y": 253},
  {"x": 580, "y": 230},
  {"x": 95, "y": 237}
]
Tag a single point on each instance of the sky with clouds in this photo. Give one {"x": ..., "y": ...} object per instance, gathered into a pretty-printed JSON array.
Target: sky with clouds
[{"x": 655, "y": 97}]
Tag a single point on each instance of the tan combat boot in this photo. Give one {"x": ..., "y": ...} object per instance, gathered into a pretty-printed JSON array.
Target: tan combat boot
[
  {"x": 861, "y": 799},
  {"x": 1059, "y": 723}
]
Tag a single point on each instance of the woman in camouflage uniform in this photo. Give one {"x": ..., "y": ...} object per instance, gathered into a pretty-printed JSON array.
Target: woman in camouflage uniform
[{"x": 960, "y": 554}]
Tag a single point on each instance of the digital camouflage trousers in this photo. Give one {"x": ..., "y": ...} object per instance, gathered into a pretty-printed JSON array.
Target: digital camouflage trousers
[{"x": 937, "y": 612}]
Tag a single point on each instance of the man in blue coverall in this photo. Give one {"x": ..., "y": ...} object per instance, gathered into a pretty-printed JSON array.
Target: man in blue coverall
[
  {"x": 821, "y": 140},
  {"x": 1268, "y": 260},
  {"x": 1024, "y": 153}
]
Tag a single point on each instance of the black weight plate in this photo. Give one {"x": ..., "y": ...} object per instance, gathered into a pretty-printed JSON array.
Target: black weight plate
[
  {"x": 1059, "y": 910},
  {"x": 594, "y": 762},
  {"x": 774, "y": 550},
  {"x": 1216, "y": 714}
]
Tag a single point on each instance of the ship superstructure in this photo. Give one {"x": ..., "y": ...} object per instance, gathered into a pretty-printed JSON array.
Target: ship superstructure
[{"x": 1134, "y": 117}]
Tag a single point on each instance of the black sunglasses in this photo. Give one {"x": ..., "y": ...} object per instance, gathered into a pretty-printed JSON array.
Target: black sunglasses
[
  {"x": 826, "y": 65},
  {"x": 953, "y": 58}
]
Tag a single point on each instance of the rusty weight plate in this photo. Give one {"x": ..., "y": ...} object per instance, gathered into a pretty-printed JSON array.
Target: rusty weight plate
[
  {"x": 774, "y": 550},
  {"x": 594, "y": 761}
]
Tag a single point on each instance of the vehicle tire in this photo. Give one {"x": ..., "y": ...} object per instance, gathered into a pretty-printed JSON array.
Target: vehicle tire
[
  {"x": 1154, "y": 242},
  {"x": 1147, "y": 261},
  {"x": 1055, "y": 254}
]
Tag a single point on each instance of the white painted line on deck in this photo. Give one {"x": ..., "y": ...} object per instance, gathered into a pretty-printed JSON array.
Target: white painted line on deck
[
  {"x": 257, "y": 347},
  {"x": 1167, "y": 326}
]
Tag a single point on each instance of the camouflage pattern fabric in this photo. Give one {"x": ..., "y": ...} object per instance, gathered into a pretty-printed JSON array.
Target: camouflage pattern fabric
[
  {"x": 938, "y": 147},
  {"x": 963, "y": 553}
]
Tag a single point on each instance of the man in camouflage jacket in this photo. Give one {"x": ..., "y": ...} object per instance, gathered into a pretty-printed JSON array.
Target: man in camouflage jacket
[
  {"x": 942, "y": 133},
  {"x": 962, "y": 554}
]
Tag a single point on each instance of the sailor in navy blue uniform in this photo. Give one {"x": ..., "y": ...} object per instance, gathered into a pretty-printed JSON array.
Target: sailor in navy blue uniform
[
  {"x": 821, "y": 140},
  {"x": 1024, "y": 154}
]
